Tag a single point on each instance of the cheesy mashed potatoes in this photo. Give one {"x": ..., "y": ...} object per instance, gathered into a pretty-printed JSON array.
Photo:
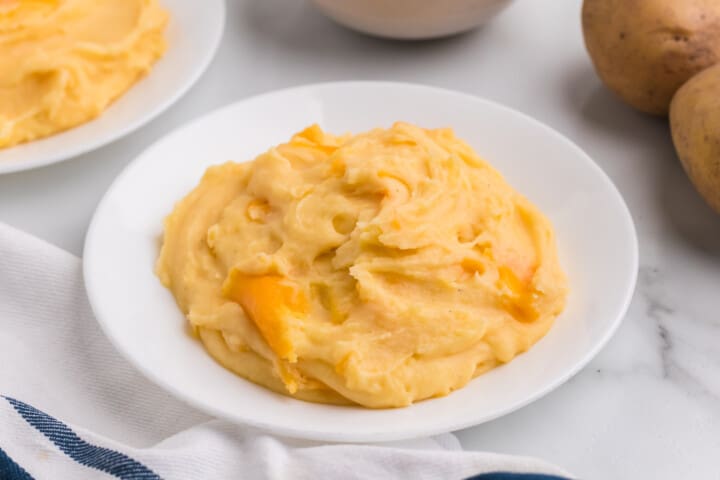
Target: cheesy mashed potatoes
[
  {"x": 377, "y": 269},
  {"x": 62, "y": 62}
]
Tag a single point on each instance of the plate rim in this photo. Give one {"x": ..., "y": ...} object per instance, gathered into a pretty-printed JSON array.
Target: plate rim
[
  {"x": 408, "y": 431},
  {"x": 130, "y": 127}
]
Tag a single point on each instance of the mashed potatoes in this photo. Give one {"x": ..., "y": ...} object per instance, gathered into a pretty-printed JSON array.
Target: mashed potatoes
[
  {"x": 62, "y": 62},
  {"x": 377, "y": 269}
]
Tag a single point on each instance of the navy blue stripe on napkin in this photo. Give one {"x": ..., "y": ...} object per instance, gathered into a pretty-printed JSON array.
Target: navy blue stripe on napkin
[
  {"x": 84, "y": 453},
  {"x": 9, "y": 470},
  {"x": 515, "y": 476}
]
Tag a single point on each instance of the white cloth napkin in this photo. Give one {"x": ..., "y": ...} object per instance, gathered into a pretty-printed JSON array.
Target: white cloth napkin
[{"x": 72, "y": 408}]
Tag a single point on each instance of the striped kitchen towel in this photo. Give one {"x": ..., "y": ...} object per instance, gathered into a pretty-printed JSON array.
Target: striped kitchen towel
[{"x": 72, "y": 408}]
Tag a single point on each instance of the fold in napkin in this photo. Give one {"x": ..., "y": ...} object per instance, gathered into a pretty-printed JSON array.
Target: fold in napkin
[{"x": 72, "y": 408}]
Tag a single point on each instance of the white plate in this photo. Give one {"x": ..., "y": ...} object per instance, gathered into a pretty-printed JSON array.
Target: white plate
[
  {"x": 193, "y": 36},
  {"x": 596, "y": 236}
]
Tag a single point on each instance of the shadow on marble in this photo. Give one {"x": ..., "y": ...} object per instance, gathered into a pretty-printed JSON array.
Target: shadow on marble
[
  {"x": 684, "y": 212},
  {"x": 69, "y": 174},
  {"x": 688, "y": 214},
  {"x": 603, "y": 110}
]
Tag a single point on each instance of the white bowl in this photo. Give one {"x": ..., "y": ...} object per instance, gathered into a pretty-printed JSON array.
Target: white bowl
[
  {"x": 411, "y": 19},
  {"x": 596, "y": 242}
]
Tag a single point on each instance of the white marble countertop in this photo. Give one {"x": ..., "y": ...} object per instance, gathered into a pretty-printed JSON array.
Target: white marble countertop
[{"x": 648, "y": 407}]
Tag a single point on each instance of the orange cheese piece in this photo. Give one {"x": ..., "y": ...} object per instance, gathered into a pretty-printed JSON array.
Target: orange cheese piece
[
  {"x": 271, "y": 303},
  {"x": 520, "y": 300}
]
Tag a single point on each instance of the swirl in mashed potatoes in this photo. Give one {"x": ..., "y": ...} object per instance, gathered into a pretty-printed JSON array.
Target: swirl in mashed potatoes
[
  {"x": 378, "y": 269},
  {"x": 62, "y": 62}
]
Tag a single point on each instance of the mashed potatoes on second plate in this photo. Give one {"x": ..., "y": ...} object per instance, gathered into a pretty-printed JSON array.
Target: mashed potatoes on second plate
[
  {"x": 62, "y": 62},
  {"x": 377, "y": 269}
]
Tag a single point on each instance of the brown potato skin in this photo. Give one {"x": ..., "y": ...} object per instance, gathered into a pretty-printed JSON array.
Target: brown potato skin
[
  {"x": 644, "y": 50},
  {"x": 695, "y": 124}
]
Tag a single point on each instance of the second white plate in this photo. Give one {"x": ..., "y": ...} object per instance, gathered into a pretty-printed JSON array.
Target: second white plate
[
  {"x": 596, "y": 238},
  {"x": 193, "y": 36}
]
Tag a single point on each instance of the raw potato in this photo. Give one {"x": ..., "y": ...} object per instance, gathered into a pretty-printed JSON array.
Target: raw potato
[
  {"x": 644, "y": 50},
  {"x": 695, "y": 123}
]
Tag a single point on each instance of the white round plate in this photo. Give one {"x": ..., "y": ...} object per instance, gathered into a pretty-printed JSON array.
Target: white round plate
[
  {"x": 193, "y": 35},
  {"x": 595, "y": 232}
]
